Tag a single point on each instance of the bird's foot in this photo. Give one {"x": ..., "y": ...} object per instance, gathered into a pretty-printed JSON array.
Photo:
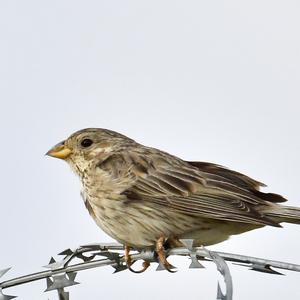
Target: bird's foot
[
  {"x": 129, "y": 262},
  {"x": 161, "y": 254}
]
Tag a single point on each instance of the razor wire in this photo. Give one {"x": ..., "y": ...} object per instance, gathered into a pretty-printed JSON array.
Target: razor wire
[{"x": 62, "y": 273}]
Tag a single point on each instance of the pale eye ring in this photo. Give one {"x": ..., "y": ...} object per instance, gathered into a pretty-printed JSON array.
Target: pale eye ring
[{"x": 85, "y": 143}]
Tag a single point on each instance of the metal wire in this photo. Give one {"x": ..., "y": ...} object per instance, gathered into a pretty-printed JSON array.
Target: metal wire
[{"x": 62, "y": 273}]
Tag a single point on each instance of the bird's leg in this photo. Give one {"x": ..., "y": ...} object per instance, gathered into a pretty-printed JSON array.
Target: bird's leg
[
  {"x": 129, "y": 261},
  {"x": 127, "y": 257},
  {"x": 161, "y": 254}
]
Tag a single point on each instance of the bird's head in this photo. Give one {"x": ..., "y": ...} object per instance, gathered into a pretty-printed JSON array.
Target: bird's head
[{"x": 89, "y": 145}]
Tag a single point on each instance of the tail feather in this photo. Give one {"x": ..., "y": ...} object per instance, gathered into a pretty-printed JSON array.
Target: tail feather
[{"x": 288, "y": 214}]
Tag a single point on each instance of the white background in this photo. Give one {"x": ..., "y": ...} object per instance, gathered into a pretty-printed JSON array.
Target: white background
[{"x": 205, "y": 80}]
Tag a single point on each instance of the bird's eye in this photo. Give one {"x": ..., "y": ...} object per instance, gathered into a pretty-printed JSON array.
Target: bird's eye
[{"x": 86, "y": 143}]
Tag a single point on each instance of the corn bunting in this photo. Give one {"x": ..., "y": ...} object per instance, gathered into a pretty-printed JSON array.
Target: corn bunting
[{"x": 147, "y": 198}]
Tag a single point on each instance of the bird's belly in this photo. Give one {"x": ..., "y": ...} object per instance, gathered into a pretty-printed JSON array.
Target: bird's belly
[
  {"x": 135, "y": 225},
  {"x": 140, "y": 226}
]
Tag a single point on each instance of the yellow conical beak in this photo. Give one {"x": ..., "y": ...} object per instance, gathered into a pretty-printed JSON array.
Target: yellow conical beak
[{"x": 59, "y": 151}]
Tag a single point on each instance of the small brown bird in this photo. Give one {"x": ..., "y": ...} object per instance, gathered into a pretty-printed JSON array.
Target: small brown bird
[{"x": 147, "y": 198}]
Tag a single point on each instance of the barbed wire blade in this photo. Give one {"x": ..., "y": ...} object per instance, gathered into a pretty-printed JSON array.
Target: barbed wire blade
[
  {"x": 119, "y": 268},
  {"x": 52, "y": 260},
  {"x": 224, "y": 270},
  {"x": 6, "y": 297},
  {"x": 62, "y": 295},
  {"x": 49, "y": 282},
  {"x": 66, "y": 252},
  {"x": 4, "y": 271},
  {"x": 195, "y": 264},
  {"x": 113, "y": 256},
  {"x": 53, "y": 264},
  {"x": 264, "y": 269},
  {"x": 72, "y": 276},
  {"x": 3, "y": 296},
  {"x": 161, "y": 267},
  {"x": 189, "y": 244},
  {"x": 220, "y": 295},
  {"x": 85, "y": 258},
  {"x": 59, "y": 281}
]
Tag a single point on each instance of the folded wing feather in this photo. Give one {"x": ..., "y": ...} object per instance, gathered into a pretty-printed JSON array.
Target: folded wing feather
[{"x": 196, "y": 188}]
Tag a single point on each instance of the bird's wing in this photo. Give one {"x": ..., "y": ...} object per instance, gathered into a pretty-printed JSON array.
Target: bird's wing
[
  {"x": 196, "y": 188},
  {"x": 222, "y": 174}
]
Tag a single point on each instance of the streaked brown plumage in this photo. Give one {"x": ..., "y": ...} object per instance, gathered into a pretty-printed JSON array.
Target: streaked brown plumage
[{"x": 138, "y": 194}]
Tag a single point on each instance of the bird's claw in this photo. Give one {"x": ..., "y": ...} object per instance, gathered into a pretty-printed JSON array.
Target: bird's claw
[
  {"x": 162, "y": 256},
  {"x": 160, "y": 251},
  {"x": 129, "y": 262},
  {"x": 146, "y": 264}
]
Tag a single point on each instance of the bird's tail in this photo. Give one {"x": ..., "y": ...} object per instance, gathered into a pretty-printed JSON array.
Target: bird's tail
[{"x": 288, "y": 214}]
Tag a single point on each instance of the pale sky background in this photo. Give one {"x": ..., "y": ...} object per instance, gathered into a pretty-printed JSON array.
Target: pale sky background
[{"x": 205, "y": 80}]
